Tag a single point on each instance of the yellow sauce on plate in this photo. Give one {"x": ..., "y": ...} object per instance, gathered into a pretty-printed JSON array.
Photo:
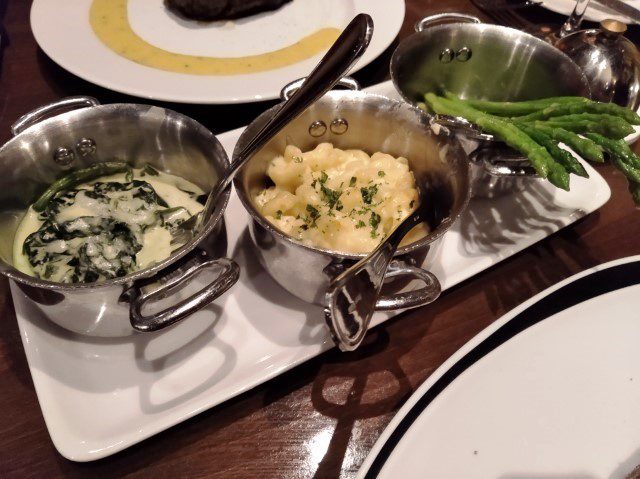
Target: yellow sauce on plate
[{"x": 110, "y": 22}]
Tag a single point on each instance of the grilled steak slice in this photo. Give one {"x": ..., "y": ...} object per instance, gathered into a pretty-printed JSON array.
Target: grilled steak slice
[{"x": 208, "y": 10}]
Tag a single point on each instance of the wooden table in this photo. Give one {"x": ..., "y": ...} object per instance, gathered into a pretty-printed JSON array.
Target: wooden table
[{"x": 320, "y": 419}]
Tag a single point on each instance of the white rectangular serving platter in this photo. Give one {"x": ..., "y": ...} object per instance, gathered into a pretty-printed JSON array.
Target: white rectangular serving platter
[{"x": 99, "y": 396}]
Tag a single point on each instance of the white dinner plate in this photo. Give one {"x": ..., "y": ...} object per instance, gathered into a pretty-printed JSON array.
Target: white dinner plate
[
  {"x": 99, "y": 396},
  {"x": 62, "y": 29},
  {"x": 595, "y": 12},
  {"x": 551, "y": 390}
]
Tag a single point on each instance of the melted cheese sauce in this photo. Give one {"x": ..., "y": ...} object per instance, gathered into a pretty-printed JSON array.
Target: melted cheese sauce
[
  {"x": 110, "y": 22},
  {"x": 155, "y": 239}
]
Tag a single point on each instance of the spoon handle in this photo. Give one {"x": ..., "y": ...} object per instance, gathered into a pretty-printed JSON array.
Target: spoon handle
[{"x": 345, "y": 51}]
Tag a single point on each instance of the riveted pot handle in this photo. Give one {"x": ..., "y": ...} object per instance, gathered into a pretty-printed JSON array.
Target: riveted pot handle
[
  {"x": 353, "y": 295},
  {"x": 501, "y": 165},
  {"x": 410, "y": 299},
  {"x": 34, "y": 116},
  {"x": 445, "y": 17},
  {"x": 460, "y": 125},
  {"x": 290, "y": 88},
  {"x": 502, "y": 169},
  {"x": 228, "y": 274}
]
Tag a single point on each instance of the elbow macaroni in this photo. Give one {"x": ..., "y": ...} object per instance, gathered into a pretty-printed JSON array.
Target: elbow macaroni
[{"x": 342, "y": 200}]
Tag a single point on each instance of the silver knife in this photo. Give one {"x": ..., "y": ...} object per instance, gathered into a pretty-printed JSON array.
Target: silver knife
[{"x": 621, "y": 7}]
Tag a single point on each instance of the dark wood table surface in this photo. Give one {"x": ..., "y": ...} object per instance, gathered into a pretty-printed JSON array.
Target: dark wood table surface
[{"x": 345, "y": 400}]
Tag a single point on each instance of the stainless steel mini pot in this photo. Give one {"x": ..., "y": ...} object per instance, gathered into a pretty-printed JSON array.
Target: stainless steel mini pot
[
  {"x": 609, "y": 60},
  {"x": 457, "y": 53},
  {"x": 354, "y": 119},
  {"x": 42, "y": 150}
]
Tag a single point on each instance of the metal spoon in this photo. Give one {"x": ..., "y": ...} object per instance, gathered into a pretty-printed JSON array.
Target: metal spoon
[
  {"x": 345, "y": 51},
  {"x": 351, "y": 297}
]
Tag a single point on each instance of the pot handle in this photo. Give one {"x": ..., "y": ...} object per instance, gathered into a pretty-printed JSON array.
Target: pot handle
[
  {"x": 442, "y": 17},
  {"x": 502, "y": 166},
  {"x": 138, "y": 296},
  {"x": 290, "y": 88},
  {"x": 460, "y": 125},
  {"x": 410, "y": 299},
  {"x": 353, "y": 295},
  {"x": 34, "y": 116}
]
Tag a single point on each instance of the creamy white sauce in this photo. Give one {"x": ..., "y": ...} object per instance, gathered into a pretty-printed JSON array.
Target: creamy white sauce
[
  {"x": 156, "y": 246},
  {"x": 150, "y": 233},
  {"x": 28, "y": 225}
]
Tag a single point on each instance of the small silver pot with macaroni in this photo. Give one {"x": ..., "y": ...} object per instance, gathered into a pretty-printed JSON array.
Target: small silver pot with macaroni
[{"x": 328, "y": 189}]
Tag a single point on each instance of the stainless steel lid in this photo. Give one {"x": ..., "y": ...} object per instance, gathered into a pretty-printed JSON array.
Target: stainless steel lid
[{"x": 609, "y": 61}]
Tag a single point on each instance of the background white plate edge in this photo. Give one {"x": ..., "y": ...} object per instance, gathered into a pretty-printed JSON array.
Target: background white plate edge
[
  {"x": 472, "y": 343},
  {"x": 376, "y": 48},
  {"x": 565, "y": 7}
]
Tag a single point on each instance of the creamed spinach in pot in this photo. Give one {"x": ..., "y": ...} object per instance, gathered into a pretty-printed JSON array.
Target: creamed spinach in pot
[{"x": 104, "y": 228}]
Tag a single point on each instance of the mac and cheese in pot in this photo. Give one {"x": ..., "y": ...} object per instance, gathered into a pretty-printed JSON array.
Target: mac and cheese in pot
[{"x": 341, "y": 200}]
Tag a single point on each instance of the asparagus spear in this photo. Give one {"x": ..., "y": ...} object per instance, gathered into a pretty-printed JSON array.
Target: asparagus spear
[
  {"x": 506, "y": 108},
  {"x": 566, "y": 159},
  {"x": 77, "y": 177},
  {"x": 592, "y": 107},
  {"x": 607, "y": 125},
  {"x": 584, "y": 147},
  {"x": 634, "y": 189},
  {"x": 538, "y": 156},
  {"x": 616, "y": 147},
  {"x": 629, "y": 171},
  {"x": 619, "y": 157}
]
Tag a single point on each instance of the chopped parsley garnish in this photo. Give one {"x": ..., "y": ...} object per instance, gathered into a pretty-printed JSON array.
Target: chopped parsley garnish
[
  {"x": 360, "y": 224},
  {"x": 322, "y": 180},
  {"x": 352, "y": 181},
  {"x": 412, "y": 203},
  {"x": 374, "y": 221},
  {"x": 297, "y": 159},
  {"x": 332, "y": 197},
  {"x": 368, "y": 193},
  {"x": 314, "y": 214},
  {"x": 278, "y": 214},
  {"x": 381, "y": 173}
]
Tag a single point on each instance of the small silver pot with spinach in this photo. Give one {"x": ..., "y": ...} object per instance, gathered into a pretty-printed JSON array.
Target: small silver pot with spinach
[{"x": 44, "y": 150}]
